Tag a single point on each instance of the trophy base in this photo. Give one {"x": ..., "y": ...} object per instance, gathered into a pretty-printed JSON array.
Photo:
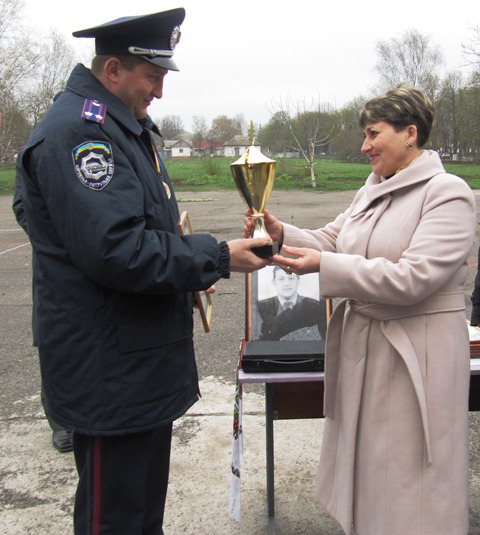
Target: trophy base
[{"x": 266, "y": 250}]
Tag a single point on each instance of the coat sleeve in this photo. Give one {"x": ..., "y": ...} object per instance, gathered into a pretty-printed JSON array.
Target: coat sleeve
[
  {"x": 119, "y": 236},
  {"x": 18, "y": 208},
  {"x": 322, "y": 239}
]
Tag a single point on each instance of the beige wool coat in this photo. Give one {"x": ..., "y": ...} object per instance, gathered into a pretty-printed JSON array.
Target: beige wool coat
[{"x": 394, "y": 457}]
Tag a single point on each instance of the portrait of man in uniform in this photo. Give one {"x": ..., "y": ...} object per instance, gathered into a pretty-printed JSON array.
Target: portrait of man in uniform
[{"x": 287, "y": 306}]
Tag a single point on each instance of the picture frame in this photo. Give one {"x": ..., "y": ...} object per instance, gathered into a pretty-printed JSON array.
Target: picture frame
[
  {"x": 286, "y": 322},
  {"x": 203, "y": 300},
  {"x": 262, "y": 298}
]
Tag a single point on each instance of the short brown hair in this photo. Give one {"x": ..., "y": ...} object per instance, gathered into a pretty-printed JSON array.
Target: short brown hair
[
  {"x": 128, "y": 61},
  {"x": 401, "y": 107}
]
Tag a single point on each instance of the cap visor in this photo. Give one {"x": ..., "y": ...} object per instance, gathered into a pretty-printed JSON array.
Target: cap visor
[{"x": 165, "y": 63}]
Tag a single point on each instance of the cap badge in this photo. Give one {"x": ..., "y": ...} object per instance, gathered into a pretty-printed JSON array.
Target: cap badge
[{"x": 175, "y": 37}]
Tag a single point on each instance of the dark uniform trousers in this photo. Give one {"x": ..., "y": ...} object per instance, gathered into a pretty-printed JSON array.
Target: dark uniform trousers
[{"x": 123, "y": 483}]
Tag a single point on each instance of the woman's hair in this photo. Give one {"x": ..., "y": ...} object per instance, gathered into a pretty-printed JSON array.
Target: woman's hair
[{"x": 401, "y": 107}]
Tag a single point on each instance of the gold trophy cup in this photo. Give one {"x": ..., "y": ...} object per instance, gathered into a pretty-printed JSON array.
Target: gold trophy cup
[{"x": 254, "y": 175}]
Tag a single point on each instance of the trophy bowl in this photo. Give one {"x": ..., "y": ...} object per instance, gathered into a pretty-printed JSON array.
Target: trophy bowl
[{"x": 254, "y": 175}]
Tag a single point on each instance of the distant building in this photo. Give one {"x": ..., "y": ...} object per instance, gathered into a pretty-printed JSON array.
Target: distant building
[
  {"x": 237, "y": 146},
  {"x": 289, "y": 154},
  {"x": 176, "y": 148},
  {"x": 205, "y": 148}
]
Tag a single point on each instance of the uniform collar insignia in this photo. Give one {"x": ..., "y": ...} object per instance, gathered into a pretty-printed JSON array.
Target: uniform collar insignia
[{"x": 94, "y": 111}]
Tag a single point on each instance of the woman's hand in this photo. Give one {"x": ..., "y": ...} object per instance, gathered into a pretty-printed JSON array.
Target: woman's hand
[
  {"x": 301, "y": 260},
  {"x": 272, "y": 224}
]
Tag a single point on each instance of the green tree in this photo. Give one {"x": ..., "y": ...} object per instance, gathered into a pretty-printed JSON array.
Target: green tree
[
  {"x": 445, "y": 131},
  {"x": 346, "y": 146},
  {"x": 224, "y": 128},
  {"x": 469, "y": 119},
  {"x": 275, "y": 135}
]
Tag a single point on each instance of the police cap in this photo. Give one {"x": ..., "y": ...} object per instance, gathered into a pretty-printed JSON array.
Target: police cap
[{"x": 150, "y": 37}]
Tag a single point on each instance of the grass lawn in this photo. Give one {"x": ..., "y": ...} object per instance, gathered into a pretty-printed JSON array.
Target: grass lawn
[{"x": 204, "y": 174}]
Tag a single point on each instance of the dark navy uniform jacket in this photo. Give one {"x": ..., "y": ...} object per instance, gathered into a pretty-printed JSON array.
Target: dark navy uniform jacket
[{"x": 113, "y": 276}]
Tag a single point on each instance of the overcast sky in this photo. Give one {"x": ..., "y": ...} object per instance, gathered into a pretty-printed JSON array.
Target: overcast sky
[{"x": 247, "y": 56}]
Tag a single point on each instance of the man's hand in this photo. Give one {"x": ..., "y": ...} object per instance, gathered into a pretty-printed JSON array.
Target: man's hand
[{"x": 243, "y": 259}]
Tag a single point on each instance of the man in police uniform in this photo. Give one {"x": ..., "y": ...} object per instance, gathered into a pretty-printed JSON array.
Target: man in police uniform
[
  {"x": 114, "y": 278},
  {"x": 290, "y": 315}
]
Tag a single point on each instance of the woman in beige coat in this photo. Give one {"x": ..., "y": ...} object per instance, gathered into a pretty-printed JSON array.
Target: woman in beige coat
[{"x": 394, "y": 457}]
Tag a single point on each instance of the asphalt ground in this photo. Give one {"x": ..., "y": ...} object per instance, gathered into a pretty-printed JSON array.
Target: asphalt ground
[{"x": 37, "y": 484}]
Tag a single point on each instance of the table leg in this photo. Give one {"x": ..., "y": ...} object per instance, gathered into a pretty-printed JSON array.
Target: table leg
[{"x": 269, "y": 390}]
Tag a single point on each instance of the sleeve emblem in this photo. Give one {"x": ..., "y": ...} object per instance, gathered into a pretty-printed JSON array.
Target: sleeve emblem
[{"x": 93, "y": 164}]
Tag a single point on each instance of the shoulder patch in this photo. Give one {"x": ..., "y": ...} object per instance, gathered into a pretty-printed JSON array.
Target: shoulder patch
[
  {"x": 94, "y": 111},
  {"x": 93, "y": 164}
]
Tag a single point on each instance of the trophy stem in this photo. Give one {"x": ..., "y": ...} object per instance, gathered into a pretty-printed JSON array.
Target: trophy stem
[{"x": 259, "y": 231}]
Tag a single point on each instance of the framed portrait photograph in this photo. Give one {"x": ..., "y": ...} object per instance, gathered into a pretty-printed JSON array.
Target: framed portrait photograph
[
  {"x": 286, "y": 322},
  {"x": 203, "y": 300},
  {"x": 284, "y": 306}
]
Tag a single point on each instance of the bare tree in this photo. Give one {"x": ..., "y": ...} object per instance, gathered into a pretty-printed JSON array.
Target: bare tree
[
  {"x": 170, "y": 126},
  {"x": 19, "y": 58},
  {"x": 412, "y": 59},
  {"x": 19, "y": 54},
  {"x": 200, "y": 128},
  {"x": 200, "y": 135},
  {"x": 311, "y": 127},
  {"x": 471, "y": 51},
  {"x": 14, "y": 128},
  {"x": 57, "y": 61},
  {"x": 11, "y": 11}
]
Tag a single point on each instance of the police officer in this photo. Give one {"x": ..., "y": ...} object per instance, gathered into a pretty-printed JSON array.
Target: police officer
[{"x": 114, "y": 278}]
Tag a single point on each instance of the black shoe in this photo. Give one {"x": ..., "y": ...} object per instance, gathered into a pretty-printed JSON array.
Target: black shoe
[{"x": 62, "y": 440}]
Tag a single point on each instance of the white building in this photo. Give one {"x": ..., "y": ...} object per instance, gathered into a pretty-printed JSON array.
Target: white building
[
  {"x": 237, "y": 146},
  {"x": 177, "y": 148}
]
